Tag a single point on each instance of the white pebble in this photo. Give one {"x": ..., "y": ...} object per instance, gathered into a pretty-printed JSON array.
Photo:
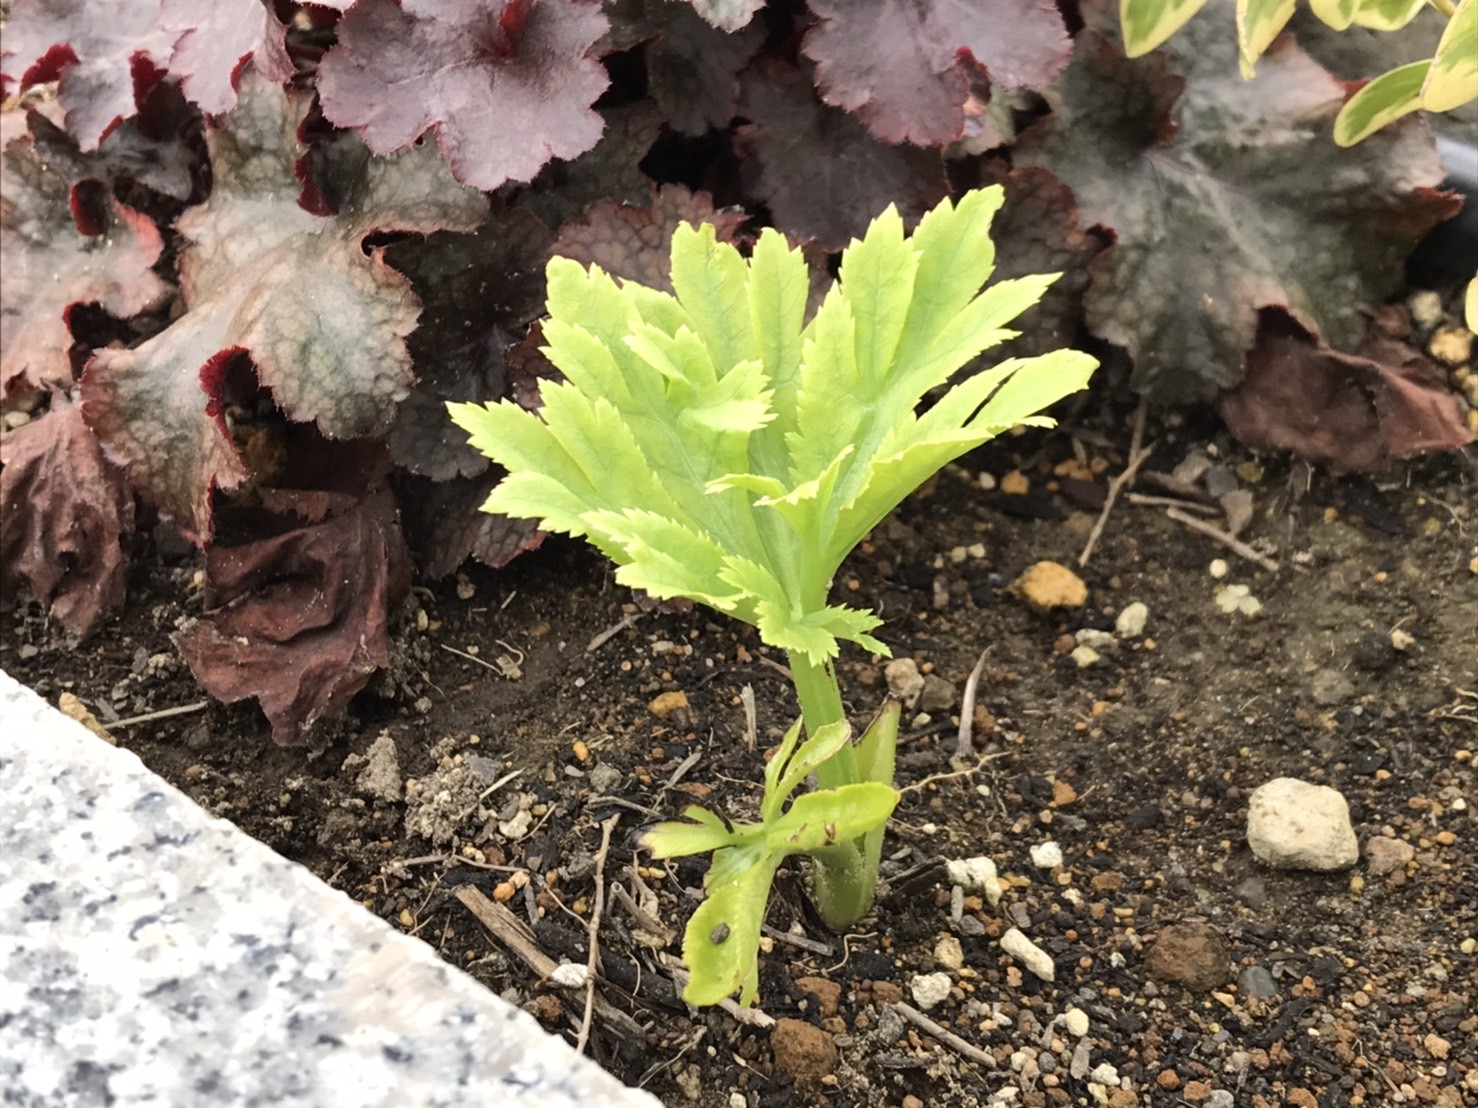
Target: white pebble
[
  {"x": 1132, "y": 620},
  {"x": 904, "y": 680},
  {"x": 1105, "y": 1073},
  {"x": 1085, "y": 656},
  {"x": 948, "y": 952},
  {"x": 1292, "y": 824},
  {"x": 1075, "y": 1022},
  {"x": 1029, "y": 954},
  {"x": 976, "y": 875},
  {"x": 1047, "y": 855},
  {"x": 1218, "y": 568},
  {"x": 930, "y": 989},
  {"x": 568, "y": 975}
]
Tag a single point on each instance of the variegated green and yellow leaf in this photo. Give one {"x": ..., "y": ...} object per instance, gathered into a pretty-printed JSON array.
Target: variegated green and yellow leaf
[
  {"x": 1384, "y": 100},
  {"x": 1453, "y": 78},
  {"x": 1148, "y": 23}
]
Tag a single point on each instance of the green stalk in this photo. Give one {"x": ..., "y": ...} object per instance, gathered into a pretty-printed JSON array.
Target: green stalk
[{"x": 846, "y": 875}]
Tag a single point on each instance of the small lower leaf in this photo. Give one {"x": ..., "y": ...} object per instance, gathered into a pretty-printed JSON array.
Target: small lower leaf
[{"x": 1259, "y": 22}]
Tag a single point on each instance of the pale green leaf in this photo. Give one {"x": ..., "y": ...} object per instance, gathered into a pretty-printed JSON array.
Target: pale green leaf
[
  {"x": 774, "y": 799},
  {"x": 815, "y": 751},
  {"x": 711, "y": 281},
  {"x": 665, "y": 557},
  {"x": 1148, "y": 23},
  {"x": 674, "y": 839},
  {"x": 1453, "y": 80},
  {"x": 1387, "y": 15},
  {"x": 778, "y": 287},
  {"x": 1338, "y": 14},
  {"x": 877, "y": 749},
  {"x": 829, "y": 817},
  {"x": 1259, "y": 22},
  {"x": 1470, "y": 306},
  {"x": 1037, "y": 383},
  {"x": 877, "y": 275},
  {"x": 721, "y": 941},
  {"x": 1384, "y": 100}
]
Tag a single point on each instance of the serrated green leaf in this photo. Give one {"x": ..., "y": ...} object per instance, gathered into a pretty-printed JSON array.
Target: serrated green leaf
[
  {"x": 1387, "y": 15},
  {"x": 711, "y": 445},
  {"x": 1384, "y": 100},
  {"x": 1259, "y": 22},
  {"x": 1148, "y": 23},
  {"x": 711, "y": 281},
  {"x": 1338, "y": 14},
  {"x": 1453, "y": 79}
]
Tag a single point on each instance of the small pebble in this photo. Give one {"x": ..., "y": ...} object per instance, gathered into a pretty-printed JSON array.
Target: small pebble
[
  {"x": 975, "y": 875},
  {"x": 1131, "y": 622},
  {"x": 1033, "y": 957},
  {"x": 948, "y": 953},
  {"x": 1218, "y": 568},
  {"x": 1047, "y": 855},
  {"x": 929, "y": 990},
  {"x": 1075, "y": 1022},
  {"x": 1048, "y": 585},
  {"x": 1292, "y": 824},
  {"x": 904, "y": 680},
  {"x": 1086, "y": 656}
]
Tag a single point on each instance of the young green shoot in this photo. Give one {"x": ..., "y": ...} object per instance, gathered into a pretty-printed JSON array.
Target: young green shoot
[{"x": 718, "y": 446}]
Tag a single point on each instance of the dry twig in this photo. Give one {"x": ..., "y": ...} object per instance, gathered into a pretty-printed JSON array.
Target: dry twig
[
  {"x": 1225, "y": 538},
  {"x": 1138, "y": 453},
  {"x": 1148, "y": 501},
  {"x": 964, "y": 745},
  {"x": 751, "y": 1017},
  {"x": 597, "y": 907},
  {"x": 506, "y": 927},
  {"x": 163, "y": 713},
  {"x": 948, "y": 1038}
]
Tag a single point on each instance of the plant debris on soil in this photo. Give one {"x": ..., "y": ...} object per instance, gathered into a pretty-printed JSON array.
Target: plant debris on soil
[{"x": 1129, "y": 949}]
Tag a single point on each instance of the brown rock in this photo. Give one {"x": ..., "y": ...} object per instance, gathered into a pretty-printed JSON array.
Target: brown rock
[
  {"x": 1048, "y": 585},
  {"x": 1196, "y": 1091},
  {"x": 1385, "y": 855},
  {"x": 1169, "y": 1080},
  {"x": 1123, "y": 1098},
  {"x": 802, "y": 1050},
  {"x": 1193, "y": 955},
  {"x": 885, "y": 992},
  {"x": 827, "y": 993}
]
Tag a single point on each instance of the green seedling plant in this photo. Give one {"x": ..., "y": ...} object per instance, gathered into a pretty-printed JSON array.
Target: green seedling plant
[{"x": 718, "y": 446}]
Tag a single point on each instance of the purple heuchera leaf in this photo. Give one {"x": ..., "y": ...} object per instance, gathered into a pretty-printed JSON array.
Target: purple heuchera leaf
[
  {"x": 1225, "y": 197},
  {"x": 107, "y": 54},
  {"x": 904, "y": 67},
  {"x": 727, "y": 15},
  {"x": 47, "y": 266},
  {"x": 323, "y": 321},
  {"x": 212, "y": 41},
  {"x": 300, "y": 620},
  {"x": 822, "y": 175},
  {"x": 506, "y": 84},
  {"x": 65, "y": 512}
]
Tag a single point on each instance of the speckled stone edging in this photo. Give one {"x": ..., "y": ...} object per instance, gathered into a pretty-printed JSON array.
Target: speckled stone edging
[{"x": 151, "y": 954}]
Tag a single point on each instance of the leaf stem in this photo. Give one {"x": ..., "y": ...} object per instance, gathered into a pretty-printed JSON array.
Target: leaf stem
[
  {"x": 821, "y": 703},
  {"x": 1446, "y": 7}
]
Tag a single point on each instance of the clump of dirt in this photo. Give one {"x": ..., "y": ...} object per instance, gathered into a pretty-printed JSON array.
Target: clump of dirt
[{"x": 1116, "y": 739}]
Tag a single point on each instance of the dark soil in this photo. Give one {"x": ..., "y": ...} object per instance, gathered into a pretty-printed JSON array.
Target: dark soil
[{"x": 1139, "y": 767}]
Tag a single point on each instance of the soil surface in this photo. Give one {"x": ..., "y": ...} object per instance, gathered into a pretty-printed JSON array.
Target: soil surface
[{"x": 529, "y": 707}]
